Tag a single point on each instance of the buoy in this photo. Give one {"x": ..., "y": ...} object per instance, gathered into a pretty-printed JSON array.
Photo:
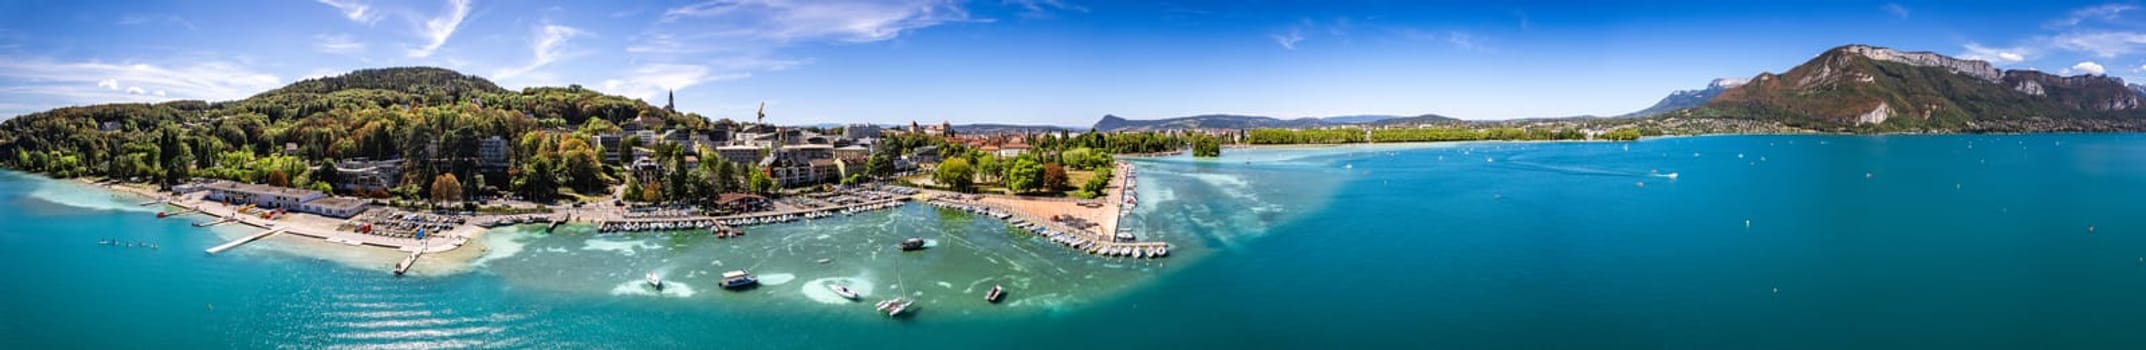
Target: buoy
[
  {"x": 1747, "y": 224},
  {"x": 2089, "y": 228},
  {"x": 1776, "y": 290},
  {"x": 1640, "y": 184},
  {"x": 1869, "y": 175}
]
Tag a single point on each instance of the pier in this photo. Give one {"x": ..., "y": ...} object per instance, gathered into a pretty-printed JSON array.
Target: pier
[
  {"x": 214, "y": 223},
  {"x": 404, "y": 266},
  {"x": 695, "y": 222},
  {"x": 241, "y": 241}
]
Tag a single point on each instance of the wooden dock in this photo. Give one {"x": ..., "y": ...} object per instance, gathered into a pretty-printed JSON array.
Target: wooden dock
[{"x": 241, "y": 241}]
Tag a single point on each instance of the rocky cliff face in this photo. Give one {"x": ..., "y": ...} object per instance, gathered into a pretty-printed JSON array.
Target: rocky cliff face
[
  {"x": 1865, "y": 85},
  {"x": 1973, "y": 68}
]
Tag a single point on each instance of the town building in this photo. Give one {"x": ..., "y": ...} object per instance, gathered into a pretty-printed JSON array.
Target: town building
[
  {"x": 492, "y": 153},
  {"x": 272, "y": 197},
  {"x": 739, "y": 154},
  {"x": 609, "y": 142},
  {"x": 359, "y": 175},
  {"x": 853, "y": 154},
  {"x": 859, "y": 131}
]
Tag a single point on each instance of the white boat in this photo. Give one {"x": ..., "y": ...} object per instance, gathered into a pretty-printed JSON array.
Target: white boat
[
  {"x": 842, "y": 291},
  {"x": 655, "y": 281},
  {"x": 895, "y": 307},
  {"x": 996, "y": 294}
]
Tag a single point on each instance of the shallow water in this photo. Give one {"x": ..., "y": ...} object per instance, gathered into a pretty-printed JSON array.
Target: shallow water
[{"x": 1852, "y": 242}]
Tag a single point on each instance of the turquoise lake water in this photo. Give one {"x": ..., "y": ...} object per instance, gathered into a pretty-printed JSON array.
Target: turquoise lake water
[{"x": 1973, "y": 241}]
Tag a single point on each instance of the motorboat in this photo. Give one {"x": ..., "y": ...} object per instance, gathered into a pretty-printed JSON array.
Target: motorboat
[
  {"x": 913, "y": 243},
  {"x": 996, "y": 294},
  {"x": 738, "y": 279},
  {"x": 843, "y": 291},
  {"x": 655, "y": 281}
]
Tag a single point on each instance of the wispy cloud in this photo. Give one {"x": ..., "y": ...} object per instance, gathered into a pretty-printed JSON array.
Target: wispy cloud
[
  {"x": 40, "y": 83},
  {"x": 1043, "y": 8},
  {"x": 1976, "y": 51},
  {"x": 724, "y": 39},
  {"x": 1288, "y": 39},
  {"x": 153, "y": 18},
  {"x": 546, "y": 45},
  {"x": 2108, "y": 12},
  {"x": 1895, "y": 9},
  {"x": 356, "y": 10},
  {"x": 2107, "y": 44},
  {"x": 340, "y": 44},
  {"x": 439, "y": 28},
  {"x": 787, "y": 20},
  {"x": 650, "y": 80}
]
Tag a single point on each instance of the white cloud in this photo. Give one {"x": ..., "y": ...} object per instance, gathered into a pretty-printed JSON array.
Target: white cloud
[
  {"x": 651, "y": 80},
  {"x": 2101, "y": 44},
  {"x": 1896, "y": 10},
  {"x": 2107, "y": 12},
  {"x": 1043, "y": 8},
  {"x": 140, "y": 18},
  {"x": 40, "y": 83},
  {"x": 438, "y": 29},
  {"x": 337, "y": 44},
  {"x": 1464, "y": 40},
  {"x": 2087, "y": 67},
  {"x": 792, "y": 20},
  {"x": 1288, "y": 39},
  {"x": 1976, "y": 51},
  {"x": 545, "y": 46},
  {"x": 355, "y": 10},
  {"x": 160, "y": 93},
  {"x": 728, "y": 39}
]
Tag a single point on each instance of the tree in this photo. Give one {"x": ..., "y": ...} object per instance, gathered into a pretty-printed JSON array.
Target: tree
[
  {"x": 632, "y": 193},
  {"x": 625, "y": 149},
  {"x": 536, "y": 180},
  {"x": 761, "y": 183},
  {"x": 1054, "y": 177},
  {"x": 990, "y": 167},
  {"x": 277, "y": 178},
  {"x": 1206, "y": 146},
  {"x": 955, "y": 175},
  {"x": 446, "y": 188},
  {"x": 1024, "y": 176}
]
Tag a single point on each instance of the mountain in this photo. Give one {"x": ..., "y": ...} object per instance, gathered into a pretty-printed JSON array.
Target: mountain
[
  {"x": 422, "y": 81},
  {"x": 1358, "y": 119},
  {"x": 984, "y": 129},
  {"x": 1227, "y": 121},
  {"x": 1417, "y": 120},
  {"x": 1209, "y": 121},
  {"x": 1886, "y": 89},
  {"x": 1682, "y": 99},
  {"x": 2139, "y": 89}
]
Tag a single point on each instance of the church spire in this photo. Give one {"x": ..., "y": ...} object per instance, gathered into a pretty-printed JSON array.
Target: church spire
[{"x": 670, "y": 100}]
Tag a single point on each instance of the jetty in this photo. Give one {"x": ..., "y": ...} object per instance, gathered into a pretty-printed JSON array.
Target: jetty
[
  {"x": 407, "y": 262},
  {"x": 214, "y": 223},
  {"x": 243, "y": 240}
]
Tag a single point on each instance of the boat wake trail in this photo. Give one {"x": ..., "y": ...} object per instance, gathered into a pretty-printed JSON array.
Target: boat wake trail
[{"x": 1566, "y": 169}]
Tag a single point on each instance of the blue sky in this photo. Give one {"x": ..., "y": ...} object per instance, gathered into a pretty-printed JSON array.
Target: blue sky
[{"x": 1063, "y": 62}]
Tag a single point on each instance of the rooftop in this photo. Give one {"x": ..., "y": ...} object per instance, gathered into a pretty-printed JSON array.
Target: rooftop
[{"x": 229, "y": 186}]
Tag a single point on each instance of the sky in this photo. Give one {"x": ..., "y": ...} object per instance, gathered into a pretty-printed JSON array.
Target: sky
[{"x": 1056, "y": 62}]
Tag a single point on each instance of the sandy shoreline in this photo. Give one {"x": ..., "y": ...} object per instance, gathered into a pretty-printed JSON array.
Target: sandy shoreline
[{"x": 316, "y": 236}]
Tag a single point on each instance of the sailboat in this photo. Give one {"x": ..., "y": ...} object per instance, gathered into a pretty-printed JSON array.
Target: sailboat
[{"x": 895, "y": 307}]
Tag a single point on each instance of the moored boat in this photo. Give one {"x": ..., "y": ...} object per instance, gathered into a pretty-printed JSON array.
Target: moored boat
[
  {"x": 843, "y": 291},
  {"x": 996, "y": 294},
  {"x": 738, "y": 279},
  {"x": 913, "y": 243}
]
